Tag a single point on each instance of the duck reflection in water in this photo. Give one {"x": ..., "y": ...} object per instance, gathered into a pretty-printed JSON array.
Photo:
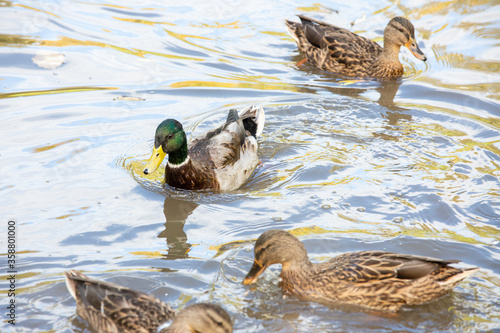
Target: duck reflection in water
[
  {"x": 386, "y": 88},
  {"x": 176, "y": 213},
  {"x": 340, "y": 85}
]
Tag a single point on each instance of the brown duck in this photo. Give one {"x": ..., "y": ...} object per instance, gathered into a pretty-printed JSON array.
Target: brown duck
[
  {"x": 378, "y": 280},
  {"x": 340, "y": 51},
  {"x": 221, "y": 159},
  {"x": 111, "y": 308}
]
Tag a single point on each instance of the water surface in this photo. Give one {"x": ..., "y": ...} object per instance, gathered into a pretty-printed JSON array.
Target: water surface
[{"x": 409, "y": 166}]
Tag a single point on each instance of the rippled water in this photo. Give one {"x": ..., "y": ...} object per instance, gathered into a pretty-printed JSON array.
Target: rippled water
[{"x": 409, "y": 166}]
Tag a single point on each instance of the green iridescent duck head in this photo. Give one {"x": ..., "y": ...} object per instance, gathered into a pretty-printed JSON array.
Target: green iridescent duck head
[{"x": 169, "y": 139}]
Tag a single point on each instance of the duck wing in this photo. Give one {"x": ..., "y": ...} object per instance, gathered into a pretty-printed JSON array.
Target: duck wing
[
  {"x": 344, "y": 46},
  {"x": 360, "y": 267}
]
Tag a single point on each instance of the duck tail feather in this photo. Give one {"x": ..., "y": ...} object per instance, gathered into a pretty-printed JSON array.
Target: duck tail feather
[
  {"x": 232, "y": 116},
  {"x": 253, "y": 119}
]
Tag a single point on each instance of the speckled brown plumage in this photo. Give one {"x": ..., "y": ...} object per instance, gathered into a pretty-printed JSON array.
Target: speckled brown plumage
[
  {"x": 377, "y": 280},
  {"x": 338, "y": 50},
  {"x": 221, "y": 159},
  {"x": 111, "y": 308}
]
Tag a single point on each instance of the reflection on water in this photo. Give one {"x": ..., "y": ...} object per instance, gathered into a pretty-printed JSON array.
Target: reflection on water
[
  {"x": 176, "y": 212},
  {"x": 386, "y": 88},
  {"x": 410, "y": 165}
]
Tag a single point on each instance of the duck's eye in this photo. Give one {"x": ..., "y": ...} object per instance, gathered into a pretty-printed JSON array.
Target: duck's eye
[
  {"x": 262, "y": 249},
  {"x": 413, "y": 44},
  {"x": 170, "y": 136}
]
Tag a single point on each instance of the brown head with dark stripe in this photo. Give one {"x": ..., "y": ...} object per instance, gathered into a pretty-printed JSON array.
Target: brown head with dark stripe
[
  {"x": 276, "y": 247},
  {"x": 401, "y": 32},
  {"x": 201, "y": 318}
]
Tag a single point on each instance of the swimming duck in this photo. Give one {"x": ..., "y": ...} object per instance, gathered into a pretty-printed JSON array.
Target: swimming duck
[
  {"x": 340, "y": 51},
  {"x": 221, "y": 159},
  {"x": 111, "y": 308},
  {"x": 378, "y": 280}
]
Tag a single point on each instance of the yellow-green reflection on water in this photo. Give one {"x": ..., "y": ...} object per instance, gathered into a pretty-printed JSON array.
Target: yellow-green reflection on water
[
  {"x": 53, "y": 91},
  {"x": 37, "y": 9},
  {"x": 418, "y": 230},
  {"x": 52, "y": 146},
  {"x": 445, "y": 7},
  {"x": 316, "y": 8},
  {"x": 141, "y": 21},
  {"x": 16, "y": 40},
  {"x": 458, "y": 60},
  {"x": 184, "y": 38},
  {"x": 136, "y": 168},
  {"x": 239, "y": 85}
]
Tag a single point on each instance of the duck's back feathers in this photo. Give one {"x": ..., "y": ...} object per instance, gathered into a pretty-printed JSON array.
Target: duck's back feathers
[
  {"x": 333, "y": 48},
  {"x": 109, "y": 307},
  {"x": 361, "y": 267},
  {"x": 346, "y": 47},
  {"x": 221, "y": 147}
]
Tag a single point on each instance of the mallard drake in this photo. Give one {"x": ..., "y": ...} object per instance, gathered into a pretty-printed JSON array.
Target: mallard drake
[
  {"x": 340, "y": 51},
  {"x": 221, "y": 159},
  {"x": 111, "y": 308},
  {"x": 378, "y": 280}
]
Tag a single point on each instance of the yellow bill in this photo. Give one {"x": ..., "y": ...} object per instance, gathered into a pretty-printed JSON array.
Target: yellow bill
[{"x": 155, "y": 160}]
